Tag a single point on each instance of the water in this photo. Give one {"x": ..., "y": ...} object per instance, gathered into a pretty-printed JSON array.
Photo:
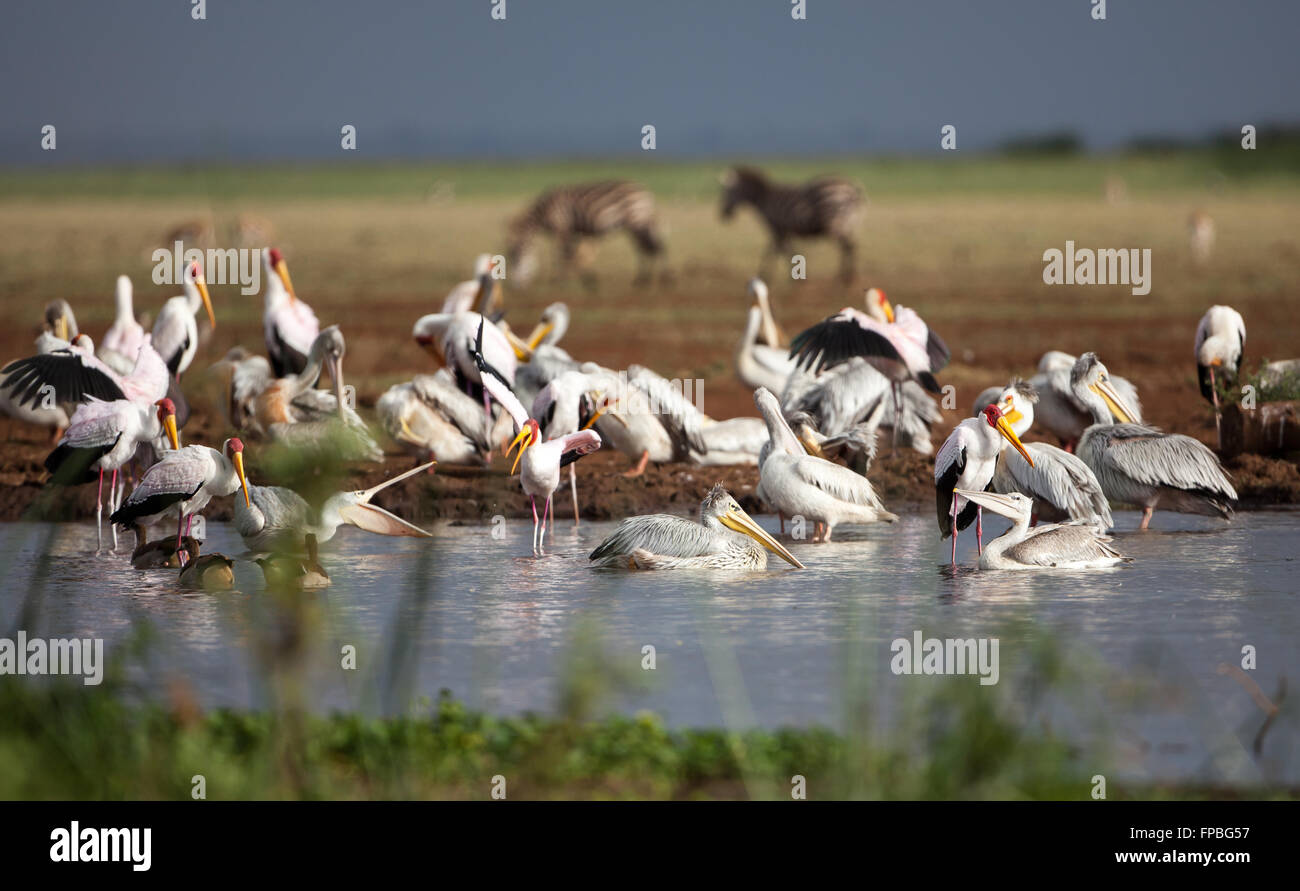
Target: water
[{"x": 480, "y": 616}]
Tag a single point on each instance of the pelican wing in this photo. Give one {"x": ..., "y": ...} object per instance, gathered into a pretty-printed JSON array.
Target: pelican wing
[
  {"x": 683, "y": 421},
  {"x": 1154, "y": 458},
  {"x": 282, "y": 508},
  {"x": 1056, "y": 477},
  {"x": 837, "y": 340},
  {"x": 74, "y": 377},
  {"x": 836, "y": 481},
  {"x": 439, "y": 391},
  {"x": 661, "y": 534},
  {"x": 1057, "y": 544}
]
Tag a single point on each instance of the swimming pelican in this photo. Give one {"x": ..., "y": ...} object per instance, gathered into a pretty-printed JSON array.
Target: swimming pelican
[
  {"x": 761, "y": 364},
  {"x": 1059, "y": 412},
  {"x": 1220, "y": 343},
  {"x": 289, "y": 325},
  {"x": 1061, "y": 485},
  {"x": 967, "y": 460},
  {"x": 1049, "y": 546},
  {"x": 122, "y": 340},
  {"x": 1141, "y": 465},
  {"x": 895, "y": 341},
  {"x": 176, "y": 331},
  {"x": 800, "y": 484},
  {"x": 539, "y": 462},
  {"x": 725, "y": 538},
  {"x": 273, "y": 518},
  {"x": 104, "y": 436},
  {"x": 184, "y": 480}
]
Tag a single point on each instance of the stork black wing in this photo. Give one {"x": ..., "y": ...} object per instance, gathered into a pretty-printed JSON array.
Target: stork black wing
[
  {"x": 147, "y": 507},
  {"x": 938, "y": 352},
  {"x": 484, "y": 366},
  {"x": 71, "y": 466},
  {"x": 285, "y": 360},
  {"x": 836, "y": 341},
  {"x": 943, "y": 498},
  {"x": 71, "y": 379}
]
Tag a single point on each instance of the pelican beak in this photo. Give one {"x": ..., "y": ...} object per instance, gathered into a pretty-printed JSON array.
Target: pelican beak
[
  {"x": 61, "y": 327},
  {"x": 1000, "y": 504},
  {"x": 601, "y": 408},
  {"x": 495, "y": 300},
  {"x": 539, "y": 333},
  {"x": 243, "y": 479},
  {"x": 207, "y": 301},
  {"x": 1115, "y": 402},
  {"x": 1004, "y": 427},
  {"x": 523, "y": 351},
  {"x": 523, "y": 439},
  {"x": 336, "y": 375},
  {"x": 1013, "y": 415},
  {"x": 810, "y": 445},
  {"x": 739, "y": 521},
  {"x": 282, "y": 270},
  {"x": 430, "y": 345},
  {"x": 169, "y": 425}
]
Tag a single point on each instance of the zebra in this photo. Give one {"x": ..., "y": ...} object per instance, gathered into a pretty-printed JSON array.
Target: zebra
[
  {"x": 828, "y": 205},
  {"x": 586, "y": 210}
]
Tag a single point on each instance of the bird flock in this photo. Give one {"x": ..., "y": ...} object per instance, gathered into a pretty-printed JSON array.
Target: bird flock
[{"x": 822, "y": 400}]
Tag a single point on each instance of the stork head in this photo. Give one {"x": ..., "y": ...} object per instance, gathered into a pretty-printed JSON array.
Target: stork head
[
  {"x": 167, "y": 417},
  {"x": 194, "y": 278},
  {"x": 234, "y": 450},
  {"x": 275, "y": 260},
  {"x": 530, "y": 434},
  {"x": 998, "y": 421},
  {"x": 878, "y": 306}
]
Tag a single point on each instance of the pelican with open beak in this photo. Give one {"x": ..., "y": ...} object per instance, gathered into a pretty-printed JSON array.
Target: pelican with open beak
[{"x": 726, "y": 537}]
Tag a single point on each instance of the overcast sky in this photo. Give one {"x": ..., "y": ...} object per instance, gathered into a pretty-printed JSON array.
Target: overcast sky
[{"x": 140, "y": 80}]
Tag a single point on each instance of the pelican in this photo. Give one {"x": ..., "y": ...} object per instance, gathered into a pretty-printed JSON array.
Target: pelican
[
  {"x": 541, "y": 460},
  {"x": 761, "y": 364},
  {"x": 184, "y": 480},
  {"x": 725, "y": 538},
  {"x": 1220, "y": 342},
  {"x": 273, "y": 517},
  {"x": 895, "y": 341},
  {"x": 58, "y": 331},
  {"x": 800, "y": 484},
  {"x": 175, "y": 331},
  {"x": 247, "y": 376},
  {"x": 481, "y": 293},
  {"x": 1061, "y": 486},
  {"x": 207, "y": 572},
  {"x": 450, "y": 338},
  {"x": 1141, "y": 465},
  {"x": 842, "y": 397},
  {"x": 122, "y": 340},
  {"x": 1059, "y": 412},
  {"x": 104, "y": 436},
  {"x": 1049, "y": 546},
  {"x": 288, "y": 572},
  {"x": 289, "y": 324},
  {"x": 421, "y": 428},
  {"x": 967, "y": 460}
]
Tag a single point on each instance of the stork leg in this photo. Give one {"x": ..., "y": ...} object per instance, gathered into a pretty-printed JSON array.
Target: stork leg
[
  {"x": 954, "y": 530},
  {"x": 546, "y": 518},
  {"x": 640, "y": 465},
  {"x": 99, "y": 514},
  {"x": 180, "y": 539},
  {"x": 979, "y": 530},
  {"x": 780, "y": 516},
  {"x": 1218, "y": 419},
  {"x": 573, "y": 490},
  {"x": 112, "y": 506},
  {"x": 898, "y": 413},
  {"x": 1146, "y": 517},
  {"x": 533, "y": 501}
]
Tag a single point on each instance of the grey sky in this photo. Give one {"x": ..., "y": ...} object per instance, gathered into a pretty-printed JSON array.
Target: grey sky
[{"x": 139, "y": 80}]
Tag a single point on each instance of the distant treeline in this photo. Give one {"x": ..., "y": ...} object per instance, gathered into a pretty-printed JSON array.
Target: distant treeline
[{"x": 1277, "y": 147}]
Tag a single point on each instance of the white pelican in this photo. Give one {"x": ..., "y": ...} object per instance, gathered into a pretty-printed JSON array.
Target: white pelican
[
  {"x": 184, "y": 480},
  {"x": 967, "y": 460},
  {"x": 104, "y": 436},
  {"x": 176, "y": 331},
  {"x": 1049, "y": 546},
  {"x": 450, "y": 338},
  {"x": 761, "y": 364},
  {"x": 895, "y": 341},
  {"x": 725, "y": 538},
  {"x": 482, "y": 293},
  {"x": 1220, "y": 342},
  {"x": 58, "y": 331},
  {"x": 247, "y": 376},
  {"x": 1059, "y": 412},
  {"x": 544, "y": 359},
  {"x": 539, "y": 462},
  {"x": 1061, "y": 485},
  {"x": 275, "y": 518},
  {"x": 1140, "y": 465},
  {"x": 288, "y": 323},
  {"x": 800, "y": 484},
  {"x": 122, "y": 340},
  {"x": 847, "y": 395},
  {"x": 414, "y": 415}
]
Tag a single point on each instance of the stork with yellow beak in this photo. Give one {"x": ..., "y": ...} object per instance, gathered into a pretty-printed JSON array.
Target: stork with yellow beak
[
  {"x": 176, "y": 330},
  {"x": 967, "y": 460},
  {"x": 289, "y": 324}
]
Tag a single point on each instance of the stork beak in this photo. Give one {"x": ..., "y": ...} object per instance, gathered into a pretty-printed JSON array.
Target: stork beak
[
  {"x": 539, "y": 333},
  {"x": 739, "y": 521},
  {"x": 1004, "y": 427},
  {"x": 495, "y": 299},
  {"x": 600, "y": 411},
  {"x": 523, "y": 440},
  {"x": 207, "y": 301},
  {"x": 1115, "y": 402},
  {"x": 243, "y": 479},
  {"x": 61, "y": 327},
  {"x": 282, "y": 270},
  {"x": 169, "y": 425},
  {"x": 523, "y": 351},
  {"x": 888, "y": 308}
]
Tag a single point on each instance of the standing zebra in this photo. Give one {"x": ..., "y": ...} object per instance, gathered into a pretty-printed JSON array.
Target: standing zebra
[
  {"x": 586, "y": 210},
  {"x": 828, "y": 205}
]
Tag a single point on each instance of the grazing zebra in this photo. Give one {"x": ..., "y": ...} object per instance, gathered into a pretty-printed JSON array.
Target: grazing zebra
[
  {"x": 828, "y": 205},
  {"x": 586, "y": 210}
]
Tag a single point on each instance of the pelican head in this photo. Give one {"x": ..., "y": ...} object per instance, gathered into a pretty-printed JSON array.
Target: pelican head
[
  {"x": 167, "y": 417},
  {"x": 1002, "y": 425},
  {"x": 530, "y": 434},
  {"x": 233, "y": 449},
  {"x": 195, "y": 283},
  {"x": 59, "y": 320},
  {"x": 332, "y": 347},
  {"x": 275, "y": 264},
  {"x": 1015, "y": 506},
  {"x": 551, "y": 327},
  {"x": 428, "y": 333},
  {"x": 355, "y": 508},
  {"x": 1017, "y": 404},
  {"x": 720, "y": 509},
  {"x": 878, "y": 306},
  {"x": 1090, "y": 380}
]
